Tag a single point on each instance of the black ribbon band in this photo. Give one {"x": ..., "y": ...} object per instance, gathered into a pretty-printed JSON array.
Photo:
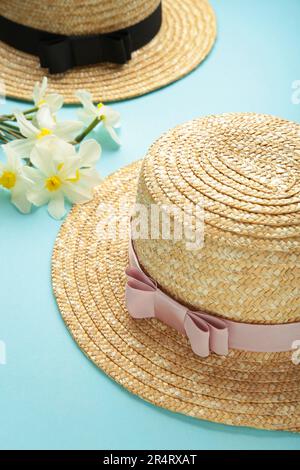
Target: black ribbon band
[{"x": 60, "y": 53}]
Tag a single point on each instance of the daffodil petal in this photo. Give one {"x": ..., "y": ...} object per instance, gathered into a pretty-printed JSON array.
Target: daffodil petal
[
  {"x": 27, "y": 129},
  {"x": 82, "y": 190},
  {"x": 77, "y": 193},
  {"x": 112, "y": 117},
  {"x": 56, "y": 149},
  {"x": 19, "y": 198},
  {"x": 36, "y": 93},
  {"x": 44, "y": 86},
  {"x": 89, "y": 153},
  {"x": 21, "y": 147},
  {"x": 113, "y": 134},
  {"x": 56, "y": 206},
  {"x": 39, "y": 91},
  {"x": 85, "y": 116},
  {"x": 13, "y": 160},
  {"x": 69, "y": 168},
  {"x": 33, "y": 175},
  {"x": 38, "y": 197},
  {"x": 42, "y": 158},
  {"x": 90, "y": 177},
  {"x": 45, "y": 119},
  {"x": 86, "y": 100},
  {"x": 68, "y": 130},
  {"x": 54, "y": 101}
]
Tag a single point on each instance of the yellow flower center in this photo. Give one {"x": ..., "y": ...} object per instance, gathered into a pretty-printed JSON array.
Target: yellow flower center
[
  {"x": 44, "y": 132},
  {"x": 41, "y": 103},
  {"x": 102, "y": 116},
  {"x": 76, "y": 177},
  {"x": 8, "y": 179},
  {"x": 71, "y": 180},
  {"x": 53, "y": 183}
]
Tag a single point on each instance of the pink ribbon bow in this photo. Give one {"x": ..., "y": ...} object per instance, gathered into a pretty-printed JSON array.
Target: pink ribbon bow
[
  {"x": 206, "y": 332},
  {"x": 144, "y": 300}
]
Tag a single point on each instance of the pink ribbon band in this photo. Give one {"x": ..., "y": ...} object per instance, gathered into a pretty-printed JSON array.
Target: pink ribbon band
[{"x": 207, "y": 333}]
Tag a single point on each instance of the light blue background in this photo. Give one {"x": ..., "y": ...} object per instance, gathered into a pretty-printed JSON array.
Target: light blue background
[{"x": 51, "y": 396}]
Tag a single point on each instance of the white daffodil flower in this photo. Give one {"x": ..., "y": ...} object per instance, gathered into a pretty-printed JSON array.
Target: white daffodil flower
[
  {"x": 59, "y": 175},
  {"x": 109, "y": 117},
  {"x": 14, "y": 179},
  {"x": 45, "y": 127},
  {"x": 41, "y": 98}
]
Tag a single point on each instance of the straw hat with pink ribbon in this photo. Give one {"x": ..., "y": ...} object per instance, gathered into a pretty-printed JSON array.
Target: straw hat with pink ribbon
[{"x": 187, "y": 292}]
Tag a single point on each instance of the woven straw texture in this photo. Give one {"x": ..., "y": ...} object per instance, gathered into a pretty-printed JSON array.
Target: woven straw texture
[
  {"x": 147, "y": 357},
  {"x": 77, "y": 16},
  {"x": 244, "y": 169},
  {"x": 186, "y": 37}
]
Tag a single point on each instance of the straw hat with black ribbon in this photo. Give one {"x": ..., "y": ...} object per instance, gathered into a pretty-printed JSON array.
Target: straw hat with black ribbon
[
  {"x": 116, "y": 49},
  {"x": 209, "y": 331}
]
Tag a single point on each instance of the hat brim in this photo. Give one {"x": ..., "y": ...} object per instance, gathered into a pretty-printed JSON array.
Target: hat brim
[
  {"x": 186, "y": 36},
  {"x": 147, "y": 357}
]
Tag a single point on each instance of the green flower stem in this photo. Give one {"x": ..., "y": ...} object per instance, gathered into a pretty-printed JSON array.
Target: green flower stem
[
  {"x": 3, "y": 138},
  {"x": 11, "y": 130},
  {"x": 9, "y": 126},
  {"x": 8, "y": 136},
  {"x": 31, "y": 110},
  {"x": 27, "y": 161},
  {"x": 11, "y": 117},
  {"x": 83, "y": 134}
]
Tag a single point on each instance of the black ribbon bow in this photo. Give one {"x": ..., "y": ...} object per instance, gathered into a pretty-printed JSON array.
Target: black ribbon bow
[
  {"x": 60, "y": 53},
  {"x": 63, "y": 53}
]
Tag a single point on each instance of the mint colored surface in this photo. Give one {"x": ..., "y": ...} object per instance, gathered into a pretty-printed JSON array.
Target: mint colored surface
[{"x": 51, "y": 395}]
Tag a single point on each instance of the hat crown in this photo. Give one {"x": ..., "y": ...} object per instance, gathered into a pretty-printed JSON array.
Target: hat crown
[
  {"x": 77, "y": 16},
  {"x": 244, "y": 169}
]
